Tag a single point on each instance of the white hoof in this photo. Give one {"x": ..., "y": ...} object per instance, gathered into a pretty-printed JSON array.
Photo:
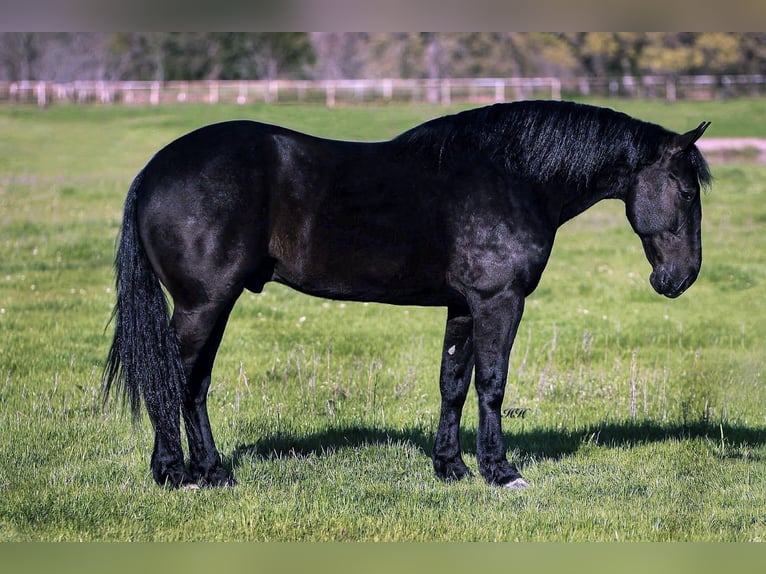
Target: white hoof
[
  {"x": 190, "y": 486},
  {"x": 518, "y": 484}
]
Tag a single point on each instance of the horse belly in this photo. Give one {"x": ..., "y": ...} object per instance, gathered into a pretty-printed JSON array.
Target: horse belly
[
  {"x": 353, "y": 273},
  {"x": 364, "y": 262}
]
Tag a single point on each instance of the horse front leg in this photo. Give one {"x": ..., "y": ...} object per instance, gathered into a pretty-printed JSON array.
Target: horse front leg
[
  {"x": 454, "y": 380},
  {"x": 496, "y": 320}
]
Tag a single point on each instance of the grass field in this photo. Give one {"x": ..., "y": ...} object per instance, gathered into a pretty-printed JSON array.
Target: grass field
[{"x": 646, "y": 417}]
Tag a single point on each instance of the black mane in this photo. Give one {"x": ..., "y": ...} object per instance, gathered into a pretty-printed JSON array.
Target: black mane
[{"x": 546, "y": 140}]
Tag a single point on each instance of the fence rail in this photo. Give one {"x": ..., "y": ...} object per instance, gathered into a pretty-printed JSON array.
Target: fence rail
[{"x": 336, "y": 92}]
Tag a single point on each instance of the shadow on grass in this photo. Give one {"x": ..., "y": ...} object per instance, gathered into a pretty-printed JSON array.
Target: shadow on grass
[{"x": 528, "y": 445}]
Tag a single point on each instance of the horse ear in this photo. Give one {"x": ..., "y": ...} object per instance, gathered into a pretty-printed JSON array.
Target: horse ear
[{"x": 685, "y": 141}]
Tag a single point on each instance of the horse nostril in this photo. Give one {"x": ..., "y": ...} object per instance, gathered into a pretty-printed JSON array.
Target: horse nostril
[
  {"x": 659, "y": 280},
  {"x": 665, "y": 282},
  {"x": 662, "y": 280}
]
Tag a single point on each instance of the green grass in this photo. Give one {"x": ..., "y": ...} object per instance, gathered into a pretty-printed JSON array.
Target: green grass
[
  {"x": 645, "y": 418},
  {"x": 731, "y": 118}
]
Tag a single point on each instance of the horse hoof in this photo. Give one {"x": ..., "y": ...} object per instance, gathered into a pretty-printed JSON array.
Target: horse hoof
[
  {"x": 452, "y": 471},
  {"x": 516, "y": 484},
  {"x": 190, "y": 486},
  {"x": 219, "y": 478}
]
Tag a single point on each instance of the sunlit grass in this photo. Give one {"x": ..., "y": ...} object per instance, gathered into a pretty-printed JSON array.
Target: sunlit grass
[{"x": 644, "y": 417}]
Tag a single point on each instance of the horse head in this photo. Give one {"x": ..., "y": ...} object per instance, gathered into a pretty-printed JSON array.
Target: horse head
[{"x": 665, "y": 210}]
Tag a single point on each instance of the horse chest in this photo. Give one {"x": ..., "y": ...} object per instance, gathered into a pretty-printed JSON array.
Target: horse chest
[{"x": 491, "y": 258}]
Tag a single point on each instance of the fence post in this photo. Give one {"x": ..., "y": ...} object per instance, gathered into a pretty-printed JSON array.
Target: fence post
[
  {"x": 329, "y": 88},
  {"x": 446, "y": 92},
  {"x": 242, "y": 96},
  {"x": 213, "y": 96},
  {"x": 432, "y": 93},
  {"x": 670, "y": 89},
  {"x": 499, "y": 91},
  {"x": 154, "y": 97},
  {"x": 629, "y": 85},
  {"x": 41, "y": 95},
  {"x": 555, "y": 89},
  {"x": 388, "y": 89}
]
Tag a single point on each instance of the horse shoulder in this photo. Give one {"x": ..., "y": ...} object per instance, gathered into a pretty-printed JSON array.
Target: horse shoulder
[{"x": 502, "y": 238}]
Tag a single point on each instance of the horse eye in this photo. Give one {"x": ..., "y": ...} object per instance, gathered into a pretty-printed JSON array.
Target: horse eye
[{"x": 685, "y": 192}]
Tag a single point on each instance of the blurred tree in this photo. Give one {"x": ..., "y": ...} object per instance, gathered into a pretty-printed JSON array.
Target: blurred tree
[
  {"x": 490, "y": 54},
  {"x": 246, "y": 55},
  {"x": 670, "y": 53},
  {"x": 190, "y": 56},
  {"x": 136, "y": 55},
  {"x": 286, "y": 54},
  {"x": 339, "y": 55},
  {"x": 608, "y": 53},
  {"x": 387, "y": 55},
  {"x": 552, "y": 55},
  {"x": 720, "y": 52},
  {"x": 213, "y": 56},
  {"x": 752, "y": 48},
  {"x": 411, "y": 55},
  {"x": 20, "y": 53},
  {"x": 692, "y": 53}
]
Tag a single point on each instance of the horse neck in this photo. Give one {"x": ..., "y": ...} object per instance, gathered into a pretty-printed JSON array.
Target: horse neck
[{"x": 611, "y": 183}]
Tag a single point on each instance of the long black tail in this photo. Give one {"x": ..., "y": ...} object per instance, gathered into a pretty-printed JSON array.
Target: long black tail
[{"x": 144, "y": 359}]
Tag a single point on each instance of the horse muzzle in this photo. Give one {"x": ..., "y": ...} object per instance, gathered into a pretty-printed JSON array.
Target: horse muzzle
[{"x": 669, "y": 282}]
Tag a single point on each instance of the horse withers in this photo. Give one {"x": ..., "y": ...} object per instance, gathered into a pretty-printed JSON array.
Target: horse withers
[{"x": 459, "y": 212}]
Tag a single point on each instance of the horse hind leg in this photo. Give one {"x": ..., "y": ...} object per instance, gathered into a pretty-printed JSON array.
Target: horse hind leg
[
  {"x": 167, "y": 456},
  {"x": 199, "y": 329}
]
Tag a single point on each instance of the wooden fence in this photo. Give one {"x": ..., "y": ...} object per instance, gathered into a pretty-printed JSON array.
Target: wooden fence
[{"x": 344, "y": 92}]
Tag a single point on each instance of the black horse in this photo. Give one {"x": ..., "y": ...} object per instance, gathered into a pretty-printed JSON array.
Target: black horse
[{"x": 459, "y": 212}]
